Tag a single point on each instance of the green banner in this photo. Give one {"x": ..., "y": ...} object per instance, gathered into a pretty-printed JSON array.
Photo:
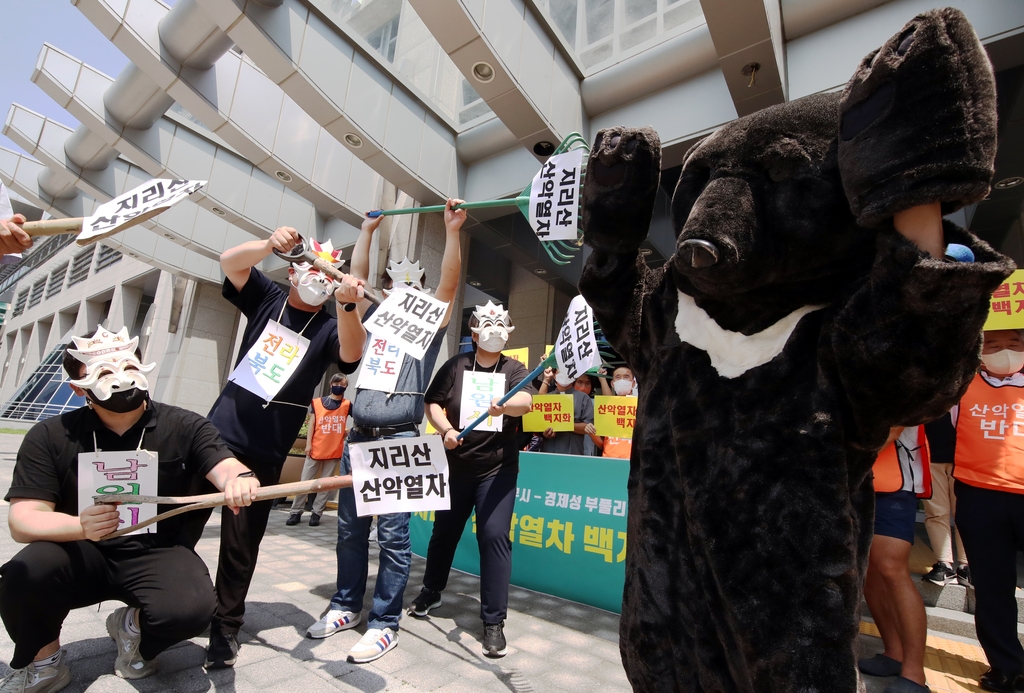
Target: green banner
[{"x": 568, "y": 529}]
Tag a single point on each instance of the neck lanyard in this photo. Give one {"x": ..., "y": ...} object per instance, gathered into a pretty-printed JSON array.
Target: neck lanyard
[
  {"x": 493, "y": 370},
  {"x": 281, "y": 315},
  {"x": 96, "y": 447}
]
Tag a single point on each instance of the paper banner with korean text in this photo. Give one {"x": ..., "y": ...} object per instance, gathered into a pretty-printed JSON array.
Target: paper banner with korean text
[
  {"x": 615, "y": 416},
  {"x": 136, "y": 206},
  {"x": 522, "y": 355},
  {"x": 1006, "y": 307},
  {"x": 381, "y": 364},
  {"x": 549, "y": 411},
  {"x": 271, "y": 361},
  {"x": 576, "y": 346},
  {"x": 400, "y": 475},
  {"x": 554, "y": 197},
  {"x": 409, "y": 319},
  {"x": 128, "y": 471},
  {"x": 478, "y": 389}
]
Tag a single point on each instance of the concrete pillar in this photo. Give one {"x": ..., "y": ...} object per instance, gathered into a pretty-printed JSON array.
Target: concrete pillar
[{"x": 531, "y": 308}]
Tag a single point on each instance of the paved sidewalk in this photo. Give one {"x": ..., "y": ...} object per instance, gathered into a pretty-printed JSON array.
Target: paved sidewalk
[{"x": 553, "y": 645}]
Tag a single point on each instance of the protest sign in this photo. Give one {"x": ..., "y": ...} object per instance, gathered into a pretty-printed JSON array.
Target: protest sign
[
  {"x": 271, "y": 361},
  {"x": 400, "y": 475},
  {"x": 554, "y": 197},
  {"x": 576, "y": 346},
  {"x": 522, "y": 355},
  {"x": 478, "y": 389},
  {"x": 549, "y": 411},
  {"x": 1006, "y": 307},
  {"x": 129, "y": 471},
  {"x": 136, "y": 205},
  {"x": 615, "y": 416},
  {"x": 380, "y": 367},
  {"x": 409, "y": 319}
]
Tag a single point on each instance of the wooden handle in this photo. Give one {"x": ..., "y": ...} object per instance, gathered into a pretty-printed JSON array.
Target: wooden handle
[
  {"x": 338, "y": 276},
  {"x": 212, "y": 500},
  {"x": 53, "y": 227}
]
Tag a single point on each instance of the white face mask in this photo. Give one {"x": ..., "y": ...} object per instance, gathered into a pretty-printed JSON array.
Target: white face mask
[
  {"x": 622, "y": 387},
  {"x": 492, "y": 339},
  {"x": 314, "y": 288},
  {"x": 1003, "y": 362},
  {"x": 563, "y": 380}
]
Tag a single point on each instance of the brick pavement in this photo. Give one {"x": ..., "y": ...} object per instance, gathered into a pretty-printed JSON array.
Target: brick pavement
[{"x": 553, "y": 645}]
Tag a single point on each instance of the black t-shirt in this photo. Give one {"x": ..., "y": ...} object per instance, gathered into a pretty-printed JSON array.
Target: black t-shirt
[
  {"x": 188, "y": 446},
  {"x": 263, "y": 433},
  {"x": 482, "y": 453}
]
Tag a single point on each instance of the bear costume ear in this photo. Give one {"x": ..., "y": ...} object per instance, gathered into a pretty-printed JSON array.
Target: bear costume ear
[{"x": 918, "y": 121}]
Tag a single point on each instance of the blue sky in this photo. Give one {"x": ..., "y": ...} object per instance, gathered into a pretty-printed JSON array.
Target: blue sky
[{"x": 27, "y": 25}]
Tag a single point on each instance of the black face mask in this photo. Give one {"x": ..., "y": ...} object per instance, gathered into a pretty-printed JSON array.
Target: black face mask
[
  {"x": 122, "y": 401},
  {"x": 337, "y": 390}
]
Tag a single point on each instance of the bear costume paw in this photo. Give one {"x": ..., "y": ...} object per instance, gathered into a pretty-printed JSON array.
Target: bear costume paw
[
  {"x": 620, "y": 188},
  {"x": 918, "y": 121}
]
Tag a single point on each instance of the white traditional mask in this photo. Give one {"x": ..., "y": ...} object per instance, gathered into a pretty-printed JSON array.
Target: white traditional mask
[
  {"x": 313, "y": 286},
  {"x": 405, "y": 274},
  {"x": 111, "y": 366},
  {"x": 493, "y": 326}
]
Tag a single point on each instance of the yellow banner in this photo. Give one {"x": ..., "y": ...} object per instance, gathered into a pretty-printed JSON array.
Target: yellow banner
[
  {"x": 522, "y": 355},
  {"x": 614, "y": 416},
  {"x": 1006, "y": 307},
  {"x": 549, "y": 411}
]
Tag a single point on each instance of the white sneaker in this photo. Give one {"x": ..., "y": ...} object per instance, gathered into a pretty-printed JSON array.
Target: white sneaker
[
  {"x": 32, "y": 680},
  {"x": 129, "y": 663},
  {"x": 332, "y": 622},
  {"x": 373, "y": 645}
]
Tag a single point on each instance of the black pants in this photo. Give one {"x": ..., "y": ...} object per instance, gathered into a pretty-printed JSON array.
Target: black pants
[
  {"x": 991, "y": 525},
  {"x": 45, "y": 580},
  {"x": 240, "y": 537},
  {"x": 494, "y": 499}
]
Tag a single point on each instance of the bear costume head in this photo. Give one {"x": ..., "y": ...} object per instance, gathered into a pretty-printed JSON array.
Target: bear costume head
[{"x": 791, "y": 330}]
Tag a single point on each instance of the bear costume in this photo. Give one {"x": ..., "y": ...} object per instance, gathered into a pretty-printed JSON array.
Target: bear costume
[{"x": 791, "y": 329}]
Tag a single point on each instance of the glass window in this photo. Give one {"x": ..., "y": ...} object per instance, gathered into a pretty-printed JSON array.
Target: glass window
[{"x": 45, "y": 393}]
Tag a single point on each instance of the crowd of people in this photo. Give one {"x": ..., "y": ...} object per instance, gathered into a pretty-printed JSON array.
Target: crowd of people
[{"x": 968, "y": 467}]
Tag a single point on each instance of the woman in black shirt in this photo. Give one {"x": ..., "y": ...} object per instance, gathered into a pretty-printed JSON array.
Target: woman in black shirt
[{"x": 483, "y": 468}]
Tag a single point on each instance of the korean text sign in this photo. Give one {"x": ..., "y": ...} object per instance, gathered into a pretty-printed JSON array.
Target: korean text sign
[
  {"x": 576, "y": 346},
  {"x": 568, "y": 529},
  {"x": 400, "y": 475},
  {"x": 1006, "y": 307},
  {"x": 550, "y": 411},
  {"x": 554, "y": 197},
  {"x": 128, "y": 471},
  {"x": 143, "y": 202},
  {"x": 381, "y": 365},
  {"x": 478, "y": 389},
  {"x": 271, "y": 361},
  {"x": 408, "y": 319},
  {"x": 615, "y": 416}
]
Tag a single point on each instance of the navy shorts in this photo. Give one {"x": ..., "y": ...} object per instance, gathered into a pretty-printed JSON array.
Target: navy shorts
[{"x": 895, "y": 515}]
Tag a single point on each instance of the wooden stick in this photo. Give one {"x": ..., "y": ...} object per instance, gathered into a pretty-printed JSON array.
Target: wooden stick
[
  {"x": 53, "y": 227},
  {"x": 212, "y": 500}
]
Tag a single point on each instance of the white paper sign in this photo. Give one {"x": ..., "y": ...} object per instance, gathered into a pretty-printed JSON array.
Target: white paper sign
[
  {"x": 409, "y": 319},
  {"x": 478, "y": 389},
  {"x": 271, "y": 361},
  {"x": 554, "y": 197},
  {"x": 576, "y": 348},
  {"x": 128, "y": 471},
  {"x": 400, "y": 475},
  {"x": 381, "y": 364},
  {"x": 134, "y": 206}
]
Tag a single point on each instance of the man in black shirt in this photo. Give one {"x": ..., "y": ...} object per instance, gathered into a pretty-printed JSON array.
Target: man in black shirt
[
  {"x": 65, "y": 565},
  {"x": 482, "y": 467},
  {"x": 260, "y": 429}
]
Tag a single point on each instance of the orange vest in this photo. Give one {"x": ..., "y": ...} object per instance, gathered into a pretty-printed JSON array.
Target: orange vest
[
  {"x": 617, "y": 447},
  {"x": 891, "y": 474},
  {"x": 990, "y": 437},
  {"x": 328, "y": 430}
]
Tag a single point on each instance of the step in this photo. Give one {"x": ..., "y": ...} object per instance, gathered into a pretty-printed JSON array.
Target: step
[
  {"x": 956, "y": 597},
  {"x": 948, "y": 621}
]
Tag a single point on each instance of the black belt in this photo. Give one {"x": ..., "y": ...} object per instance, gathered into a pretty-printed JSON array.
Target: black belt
[{"x": 378, "y": 431}]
